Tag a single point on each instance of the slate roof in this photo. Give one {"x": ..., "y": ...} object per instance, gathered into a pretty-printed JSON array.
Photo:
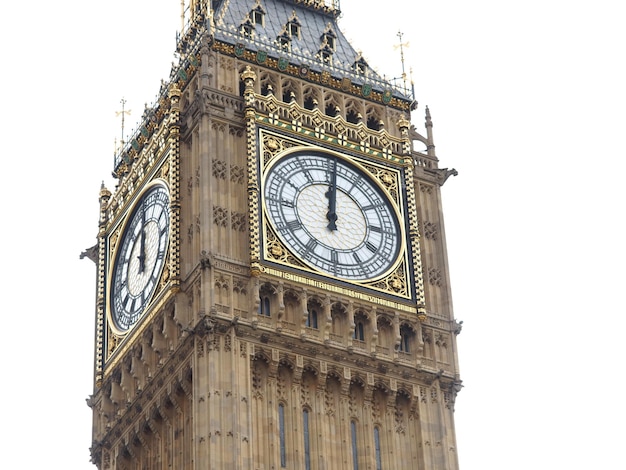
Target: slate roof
[{"x": 229, "y": 15}]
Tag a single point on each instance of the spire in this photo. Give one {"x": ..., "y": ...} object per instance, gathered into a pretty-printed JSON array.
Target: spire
[{"x": 430, "y": 147}]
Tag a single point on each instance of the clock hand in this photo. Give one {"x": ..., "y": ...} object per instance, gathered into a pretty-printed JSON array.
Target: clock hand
[
  {"x": 331, "y": 194},
  {"x": 142, "y": 248}
]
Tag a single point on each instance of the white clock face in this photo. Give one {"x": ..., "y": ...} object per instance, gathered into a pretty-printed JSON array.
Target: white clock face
[
  {"x": 332, "y": 216},
  {"x": 140, "y": 257}
]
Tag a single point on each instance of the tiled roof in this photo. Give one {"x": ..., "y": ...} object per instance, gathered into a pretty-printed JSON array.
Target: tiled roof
[{"x": 229, "y": 15}]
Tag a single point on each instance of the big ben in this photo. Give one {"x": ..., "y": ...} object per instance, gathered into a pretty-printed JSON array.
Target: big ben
[{"x": 272, "y": 279}]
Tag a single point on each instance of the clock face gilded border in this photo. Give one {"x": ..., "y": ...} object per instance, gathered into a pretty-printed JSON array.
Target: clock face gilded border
[
  {"x": 304, "y": 188},
  {"x": 138, "y": 247}
]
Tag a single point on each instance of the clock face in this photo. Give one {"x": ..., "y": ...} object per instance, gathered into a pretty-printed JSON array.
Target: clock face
[
  {"x": 332, "y": 216},
  {"x": 140, "y": 257}
]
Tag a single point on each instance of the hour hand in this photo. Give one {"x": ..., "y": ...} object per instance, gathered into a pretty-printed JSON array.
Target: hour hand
[
  {"x": 142, "y": 252},
  {"x": 331, "y": 194},
  {"x": 142, "y": 246},
  {"x": 330, "y": 215}
]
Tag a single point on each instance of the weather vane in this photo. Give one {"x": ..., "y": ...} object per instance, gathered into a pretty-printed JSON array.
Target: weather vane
[
  {"x": 401, "y": 46},
  {"x": 123, "y": 112}
]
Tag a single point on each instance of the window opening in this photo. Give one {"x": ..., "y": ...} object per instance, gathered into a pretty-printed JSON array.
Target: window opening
[
  {"x": 373, "y": 123},
  {"x": 355, "y": 453},
  {"x": 359, "y": 331},
  {"x": 354, "y": 117},
  {"x": 281, "y": 430},
  {"x": 311, "y": 319},
  {"x": 379, "y": 464},
  {"x": 405, "y": 339},
  {"x": 307, "y": 444},
  {"x": 310, "y": 103},
  {"x": 329, "y": 38},
  {"x": 293, "y": 26},
  {"x": 294, "y": 30},
  {"x": 331, "y": 110},
  {"x": 264, "y": 306},
  {"x": 257, "y": 17}
]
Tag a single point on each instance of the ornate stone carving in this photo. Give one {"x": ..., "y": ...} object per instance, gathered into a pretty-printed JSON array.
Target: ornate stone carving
[
  {"x": 434, "y": 277},
  {"x": 431, "y": 230},
  {"x": 237, "y": 174},
  {"x": 220, "y": 216},
  {"x": 239, "y": 221},
  {"x": 219, "y": 169}
]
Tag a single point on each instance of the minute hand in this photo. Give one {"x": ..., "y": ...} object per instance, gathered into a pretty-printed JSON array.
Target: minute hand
[{"x": 331, "y": 194}]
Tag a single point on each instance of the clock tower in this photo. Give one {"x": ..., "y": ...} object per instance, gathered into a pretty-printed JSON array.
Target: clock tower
[{"x": 272, "y": 283}]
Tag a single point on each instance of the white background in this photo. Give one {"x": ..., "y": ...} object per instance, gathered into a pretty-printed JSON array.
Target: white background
[{"x": 527, "y": 100}]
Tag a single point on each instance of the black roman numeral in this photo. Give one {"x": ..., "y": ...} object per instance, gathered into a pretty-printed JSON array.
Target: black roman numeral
[
  {"x": 311, "y": 245},
  {"x": 293, "y": 224}
]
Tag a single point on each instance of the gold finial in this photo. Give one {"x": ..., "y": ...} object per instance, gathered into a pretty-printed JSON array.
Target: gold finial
[
  {"x": 105, "y": 194},
  {"x": 248, "y": 76}
]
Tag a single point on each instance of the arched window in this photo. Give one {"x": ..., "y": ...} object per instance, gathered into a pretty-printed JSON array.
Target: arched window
[
  {"x": 355, "y": 450},
  {"x": 353, "y": 116},
  {"x": 281, "y": 431},
  {"x": 374, "y": 123},
  {"x": 332, "y": 110},
  {"x": 310, "y": 103},
  {"x": 307, "y": 441}
]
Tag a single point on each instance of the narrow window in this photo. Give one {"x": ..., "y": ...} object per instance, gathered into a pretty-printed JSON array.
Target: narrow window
[
  {"x": 358, "y": 331},
  {"x": 355, "y": 453},
  {"x": 281, "y": 430},
  {"x": 264, "y": 306},
  {"x": 405, "y": 339},
  {"x": 330, "y": 40},
  {"x": 257, "y": 17},
  {"x": 404, "y": 343},
  {"x": 379, "y": 464},
  {"x": 311, "y": 319},
  {"x": 294, "y": 30},
  {"x": 307, "y": 446}
]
